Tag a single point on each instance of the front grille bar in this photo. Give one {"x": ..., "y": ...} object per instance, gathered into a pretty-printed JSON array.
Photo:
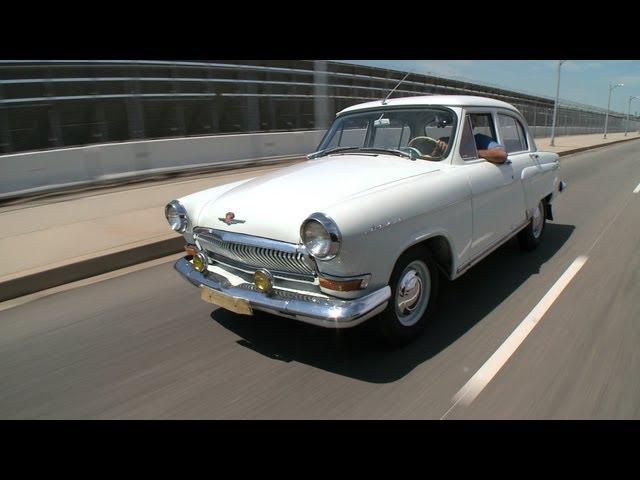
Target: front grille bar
[{"x": 252, "y": 253}]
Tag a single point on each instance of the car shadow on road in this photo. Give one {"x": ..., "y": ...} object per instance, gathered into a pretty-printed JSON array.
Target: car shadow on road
[{"x": 359, "y": 353}]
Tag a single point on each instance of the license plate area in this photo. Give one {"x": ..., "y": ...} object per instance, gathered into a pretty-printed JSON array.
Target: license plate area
[{"x": 234, "y": 304}]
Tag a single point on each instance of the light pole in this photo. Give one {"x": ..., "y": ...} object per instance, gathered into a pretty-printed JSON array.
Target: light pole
[
  {"x": 626, "y": 128},
  {"x": 555, "y": 106},
  {"x": 606, "y": 118}
]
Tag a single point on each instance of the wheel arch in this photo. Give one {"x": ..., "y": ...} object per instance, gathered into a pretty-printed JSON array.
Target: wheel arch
[{"x": 440, "y": 249}]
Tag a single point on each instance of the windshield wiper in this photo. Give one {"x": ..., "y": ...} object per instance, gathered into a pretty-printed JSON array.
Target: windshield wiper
[
  {"x": 389, "y": 150},
  {"x": 327, "y": 151},
  {"x": 321, "y": 153}
]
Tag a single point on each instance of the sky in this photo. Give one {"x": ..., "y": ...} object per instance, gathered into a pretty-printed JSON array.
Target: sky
[{"x": 584, "y": 81}]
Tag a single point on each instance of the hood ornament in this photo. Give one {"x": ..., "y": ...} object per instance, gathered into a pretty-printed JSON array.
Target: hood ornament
[{"x": 229, "y": 219}]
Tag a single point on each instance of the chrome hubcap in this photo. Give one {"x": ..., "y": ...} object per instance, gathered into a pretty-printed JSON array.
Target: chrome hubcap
[
  {"x": 412, "y": 293},
  {"x": 537, "y": 221}
]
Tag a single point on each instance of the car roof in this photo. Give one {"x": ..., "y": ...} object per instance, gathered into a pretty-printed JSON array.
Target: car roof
[{"x": 448, "y": 100}]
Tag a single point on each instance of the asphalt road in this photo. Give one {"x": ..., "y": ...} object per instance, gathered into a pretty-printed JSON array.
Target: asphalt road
[{"x": 143, "y": 345}]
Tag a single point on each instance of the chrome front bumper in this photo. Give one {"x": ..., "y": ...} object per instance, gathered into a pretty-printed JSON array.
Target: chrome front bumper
[{"x": 322, "y": 311}]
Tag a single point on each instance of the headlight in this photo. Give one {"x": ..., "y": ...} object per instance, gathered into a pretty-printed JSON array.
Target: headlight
[
  {"x": 176, "y": 216},
  {"x": 321, "y": 237}
]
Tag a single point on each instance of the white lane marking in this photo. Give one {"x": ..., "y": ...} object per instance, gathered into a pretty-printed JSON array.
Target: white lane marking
[
  {"x": 16, "y": 302},
  {"x": 637, "y": 189},
  {"x": 476, "y": 384}
]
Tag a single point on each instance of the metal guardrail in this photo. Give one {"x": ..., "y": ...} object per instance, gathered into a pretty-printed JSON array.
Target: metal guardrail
[{"x": 52, "y": 104}]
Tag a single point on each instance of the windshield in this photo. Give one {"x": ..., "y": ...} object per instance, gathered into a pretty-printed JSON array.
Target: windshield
[{"x": 425, "y": 132}]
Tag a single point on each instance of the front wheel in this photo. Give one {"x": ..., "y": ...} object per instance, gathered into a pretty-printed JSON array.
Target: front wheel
[
  {"x": 414, "y": 288},
  {"x": 530, "y": 237}
]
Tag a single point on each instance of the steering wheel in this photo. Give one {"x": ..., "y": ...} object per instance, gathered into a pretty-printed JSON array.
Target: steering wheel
[
  {"x": 412, "y": 150},
  {"x": 428, "y": 142}
]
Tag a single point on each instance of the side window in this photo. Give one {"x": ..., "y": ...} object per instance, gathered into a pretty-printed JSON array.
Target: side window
[
  {"x": 468, "y": 149},
  {"x": 512, "y": 133},
  {"x": 482, "y": 123}
]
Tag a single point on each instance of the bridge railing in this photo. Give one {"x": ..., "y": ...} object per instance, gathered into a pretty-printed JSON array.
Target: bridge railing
[{"x": 55, "y": 104}]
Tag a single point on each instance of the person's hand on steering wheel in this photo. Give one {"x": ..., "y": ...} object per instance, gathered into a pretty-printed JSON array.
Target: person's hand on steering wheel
[
  {"x": 430, "y": 146},
  {"x": 440, "y": 148}
]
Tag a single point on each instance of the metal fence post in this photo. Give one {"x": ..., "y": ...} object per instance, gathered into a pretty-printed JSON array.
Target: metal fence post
[
  {"x": 135, "y": 116},
  {"x": 320, "y": 110},
  {"x": 215, "y": 121},
  {"x": 102, "y": 131},
  {"x": 54, "y": 117},
  {"x": 178, "y": 106},
  {"x": 253, "y": 108},
  {"x": 6, "y": 145}
]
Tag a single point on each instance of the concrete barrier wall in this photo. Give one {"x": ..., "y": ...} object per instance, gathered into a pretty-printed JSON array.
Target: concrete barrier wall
[
  {"x": 35, "y": 172},
  {"x": 25, "y": 173}
]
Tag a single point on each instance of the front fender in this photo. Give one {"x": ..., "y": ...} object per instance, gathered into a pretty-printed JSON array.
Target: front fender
[{"x": 377, "y": 228}]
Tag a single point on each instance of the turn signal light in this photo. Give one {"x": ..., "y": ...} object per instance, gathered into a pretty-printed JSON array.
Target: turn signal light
[
  {"x": 191, "y": 250},
  {"x": 342, "y": 286}
]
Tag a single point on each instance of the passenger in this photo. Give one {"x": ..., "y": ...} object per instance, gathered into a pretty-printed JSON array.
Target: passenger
[{"x": 487, "y": 148}]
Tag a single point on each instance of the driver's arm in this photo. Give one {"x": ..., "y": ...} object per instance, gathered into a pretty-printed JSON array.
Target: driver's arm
[{"x": 494, "y": 155}]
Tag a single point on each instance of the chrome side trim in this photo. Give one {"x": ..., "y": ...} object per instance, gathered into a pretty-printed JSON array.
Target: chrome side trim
[
  {"x": 321, "y": 311},
  {"x": 491, "y": 249}
]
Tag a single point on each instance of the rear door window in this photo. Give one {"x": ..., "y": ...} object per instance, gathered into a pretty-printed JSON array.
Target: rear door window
[{"x": 512, "y": 134}]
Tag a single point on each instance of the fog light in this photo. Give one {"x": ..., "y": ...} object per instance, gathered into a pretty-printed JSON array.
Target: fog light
[
  {"x": 263, "y": 281},
  {"x": 200, "y": 262}
]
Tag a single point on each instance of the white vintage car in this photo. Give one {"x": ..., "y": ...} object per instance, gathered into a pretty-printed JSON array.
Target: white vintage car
[{"x": 395, "y": 197}]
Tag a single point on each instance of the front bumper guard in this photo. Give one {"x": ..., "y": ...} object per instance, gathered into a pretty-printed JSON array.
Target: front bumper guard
[{"x": 321, "y": 311}]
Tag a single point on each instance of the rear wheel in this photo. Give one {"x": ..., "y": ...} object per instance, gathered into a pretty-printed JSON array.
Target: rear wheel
[
  {"x": 530, "y": 237},
  {"x": 414, "y": 288}
]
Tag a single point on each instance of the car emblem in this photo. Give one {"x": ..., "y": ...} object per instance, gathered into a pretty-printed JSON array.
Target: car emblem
[{"x": 229, "y": 219}]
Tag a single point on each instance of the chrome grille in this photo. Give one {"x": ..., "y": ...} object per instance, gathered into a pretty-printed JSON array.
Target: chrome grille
[{"x": 242, "y": 254}]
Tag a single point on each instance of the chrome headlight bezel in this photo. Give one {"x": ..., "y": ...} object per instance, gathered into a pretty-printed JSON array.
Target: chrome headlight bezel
[
  {"x": 176, "y": 215},
  {"x": 333, "y": 237}
]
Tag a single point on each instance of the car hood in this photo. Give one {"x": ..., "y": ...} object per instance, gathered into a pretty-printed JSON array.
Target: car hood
[{"x": 275, "y": 205}]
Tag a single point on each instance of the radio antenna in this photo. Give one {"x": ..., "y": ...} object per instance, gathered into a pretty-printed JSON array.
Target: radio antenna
[{"x": 384, "y": 102}]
